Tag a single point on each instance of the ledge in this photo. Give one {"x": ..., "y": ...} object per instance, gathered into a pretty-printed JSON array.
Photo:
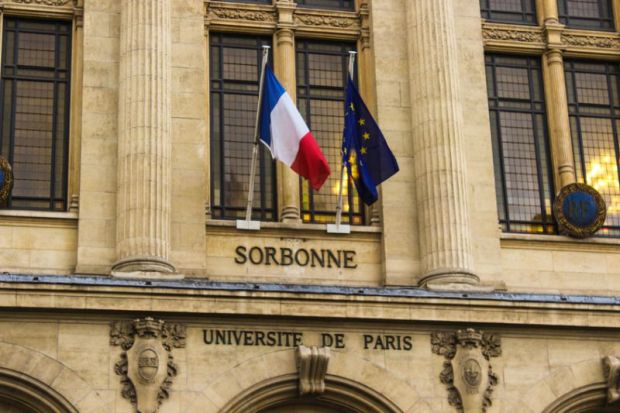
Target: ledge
[
  {"x": 38, "y": 218},
  {"x": 202, "y": 297},
  {"x": 368, "y": 229},
  {"x": 555, "y": 242}
]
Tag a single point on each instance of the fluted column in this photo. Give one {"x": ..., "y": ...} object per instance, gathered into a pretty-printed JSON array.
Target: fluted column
[
  {"x": 440, "y": 174},
  {"x": 559, "y": 122},
  {"x": 144, "y": 141},
  {"x": 284, "y": 55}
]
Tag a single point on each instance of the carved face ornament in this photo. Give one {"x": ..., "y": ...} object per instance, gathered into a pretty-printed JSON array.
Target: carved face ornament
[{"x": 472, "y": 373}]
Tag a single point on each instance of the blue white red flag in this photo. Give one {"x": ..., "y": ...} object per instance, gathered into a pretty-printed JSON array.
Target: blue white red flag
[{"x": 287, "y": 136}]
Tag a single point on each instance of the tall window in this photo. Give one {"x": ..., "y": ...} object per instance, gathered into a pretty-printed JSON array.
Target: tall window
[
  {"x": 321, "y": 76},
  {"x": 587, "y": 14},
  {"x": 36, "y": 62},
  {"x": 235, "y": 71},
  {"x": 523, "y": 178},
  {"x": 509, "y": 11},
  {"x": 594, "y": 108}
]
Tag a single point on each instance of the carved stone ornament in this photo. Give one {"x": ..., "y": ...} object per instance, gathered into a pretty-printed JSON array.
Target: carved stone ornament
[
  {"x": 312, "y": 365},
  {"x": 611, "y": 368},
  {"x": 58, "y": 3},
  {"x": 590, "y": 41},
  {"x": 500, "y": 33},
  {"x": 467, "y": 369},
  {"x": 327, "y": 21},
  {"x": 6, "y": 181},
  {"x": 230, "y": 13},
  {"x": 146, "y": 366}
]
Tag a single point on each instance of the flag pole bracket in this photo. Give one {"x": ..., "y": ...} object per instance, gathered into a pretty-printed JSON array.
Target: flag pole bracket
[
  {"x": 248, "y": 225},
  {"x": 338, "y": 228}
]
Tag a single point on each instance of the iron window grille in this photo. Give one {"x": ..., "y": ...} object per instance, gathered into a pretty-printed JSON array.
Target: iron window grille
[
  {"x": 509, "y": 11},
  {"x": 594, "y": 110},
  {"x": 322, "y": 69},
  {"x": 586, "y": 14},
  {"x": 328, "y": 4},
  {"x": 36, "y": 63},
  {"x": 523, "y": 174},
  {"x": 235, "y": 63}
]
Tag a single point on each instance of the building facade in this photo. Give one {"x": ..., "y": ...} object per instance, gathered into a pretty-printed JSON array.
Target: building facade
[{"x": 126, "y": 286}]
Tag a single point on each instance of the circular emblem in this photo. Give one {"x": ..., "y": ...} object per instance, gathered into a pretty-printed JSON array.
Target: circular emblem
[
  {"x": 472, "y": 373},
  {"x": 6, "y": 180},
  {"x": 148, "y": 364},
  {"x": 580, "y": 210}
]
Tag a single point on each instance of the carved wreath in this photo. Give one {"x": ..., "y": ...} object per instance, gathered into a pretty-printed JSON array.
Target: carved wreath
[
  {"x": 517, "y": 35},
  {"x": 57, "y": 3},
  {"x": 445, "y": 344}
]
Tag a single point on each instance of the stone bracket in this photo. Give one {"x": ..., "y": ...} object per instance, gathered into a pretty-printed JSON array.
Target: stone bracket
[
  {"x": 611, "y": 368},
  {"x": 312, "y": 365},
  {"x": 467, "y": 369},
  {"x": 146, "y": 366}
]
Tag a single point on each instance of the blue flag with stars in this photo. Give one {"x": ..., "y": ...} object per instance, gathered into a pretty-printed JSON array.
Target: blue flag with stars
[{"x": 365, "y": 153}]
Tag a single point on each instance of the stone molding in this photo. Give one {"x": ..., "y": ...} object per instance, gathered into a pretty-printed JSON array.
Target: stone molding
[
  {"x": 467, "y": 371},
  {"x": 56, "y": 3},
  {"x": 507, "y": 37},
  {"x": 611, "y": 369},
  {"x": 147, "y": 366},
  {"x": 312, "y": 365},
  {"x": 226, "y": 16}
]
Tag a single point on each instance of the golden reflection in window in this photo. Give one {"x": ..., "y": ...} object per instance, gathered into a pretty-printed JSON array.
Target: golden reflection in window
[{"x": 602, "y": 175}]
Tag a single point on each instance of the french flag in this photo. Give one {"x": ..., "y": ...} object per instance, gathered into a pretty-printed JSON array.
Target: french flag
[{"x": 286, "y": 134}]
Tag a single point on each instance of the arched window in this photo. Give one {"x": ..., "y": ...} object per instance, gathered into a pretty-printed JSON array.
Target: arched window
[
  {"x": 587, "y": 399},
  {"x": 20, "y": 393}
]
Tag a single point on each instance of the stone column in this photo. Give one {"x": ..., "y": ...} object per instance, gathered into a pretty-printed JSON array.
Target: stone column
[
  {"x": 559, "y": 122},
  {"x": 144, "y": 141},
  {"x": 284, "y": 56},
  {"x": 440, "y": 172},
  {"x": 550, "y": 11}
]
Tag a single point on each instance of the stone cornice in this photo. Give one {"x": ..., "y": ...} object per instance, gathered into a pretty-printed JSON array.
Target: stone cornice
[
  {"x": 577, "y": 43},
  {"x": 512, "y": 37},
  {"x": 43, "y": 8},
  {"x": 264, "y": 18},
  {"x": 98, "y": 294}
]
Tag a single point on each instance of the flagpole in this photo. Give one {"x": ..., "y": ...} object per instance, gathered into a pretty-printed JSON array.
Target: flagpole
[
  {"x": 248, "y": 223},
  {"x": 338, "y": 227}
]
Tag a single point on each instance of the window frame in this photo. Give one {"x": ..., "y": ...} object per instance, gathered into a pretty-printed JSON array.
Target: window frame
[
  {"x": 486, "y": 13},
  {"x": 547, "y": 223},
  {"x": 67, "y": 107},
  {"x": 569, "y": 20}
]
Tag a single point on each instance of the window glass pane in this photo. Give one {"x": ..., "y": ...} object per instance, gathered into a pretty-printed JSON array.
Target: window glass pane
[
  {"x": 234, "y": 72},
  {"x": 520, "y": 150},
  {"x": 510, "y": 11},
  {"x": 328, "y": 4},
  {"x": 248, "y": 1},
  {"x": 588, "y": 14},
  {"x": 594, "y": 115},
  {"x": 34, "y": 135},
  {"x": 321, "y": 74}
]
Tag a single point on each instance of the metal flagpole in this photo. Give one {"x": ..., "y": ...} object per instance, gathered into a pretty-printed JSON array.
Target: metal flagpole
[
  {"x": 248, "y": 223},
  {"x": 339, "y": 228}
]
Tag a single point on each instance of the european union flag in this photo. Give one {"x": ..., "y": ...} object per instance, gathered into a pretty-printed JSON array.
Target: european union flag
[{"x": 365, "y": 152}]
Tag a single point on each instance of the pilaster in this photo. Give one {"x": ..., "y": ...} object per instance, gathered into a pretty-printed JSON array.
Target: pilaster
[
  {"x": 440, "y": 174},
  {"x": 144, "y": 141}
]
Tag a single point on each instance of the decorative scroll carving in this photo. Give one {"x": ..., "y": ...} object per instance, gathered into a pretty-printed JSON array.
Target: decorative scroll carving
[
  {"x": 58, "y": 3},
  {"x": 312, "y": 367},
  {"x": 228, "y": 13},
  {"x": 500, "y": 33},
  {"x": 146, "y": 366},
  {"x": 590, "y": 41},
  {"x": 339, "y": 22},
  {"x": 467, "y": 370},
  {"x": 611, "y": 368}
]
